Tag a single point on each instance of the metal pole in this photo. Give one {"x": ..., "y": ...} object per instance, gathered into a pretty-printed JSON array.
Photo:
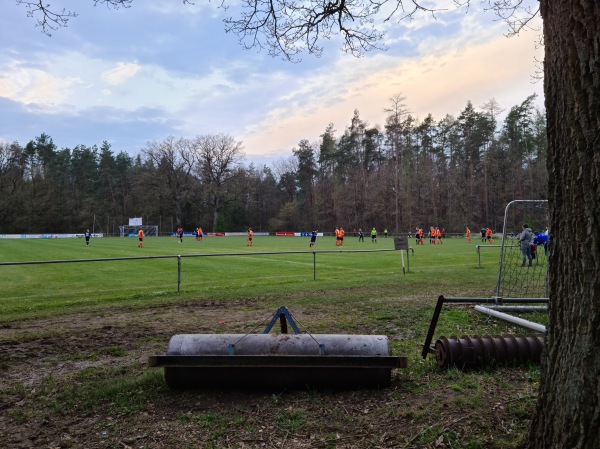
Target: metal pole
[
  {"x": 432, "y": 326},
  {"x": 402, "y": 257},
  {"x": 178, "y": 273},
  {"x": 512, "y": 319},
  {"x": 478, "y": 255},
  {"x": 314, "y": 265},
  {"x": 504, "y": 230},
  {"x": 520, "y": 308}
]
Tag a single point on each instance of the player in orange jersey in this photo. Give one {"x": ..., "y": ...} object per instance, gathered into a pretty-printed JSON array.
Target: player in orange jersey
[
  {"x": 141, "y": 238},
  {"x": 488, "y": 235},
  {"x": 249, "y": 237},
  {"x": 342, "y": 232},
  {"x": 468, "y": 235}
]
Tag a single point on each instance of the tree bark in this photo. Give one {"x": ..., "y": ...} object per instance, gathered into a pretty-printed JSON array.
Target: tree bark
[{"x": 568, "y": 409}]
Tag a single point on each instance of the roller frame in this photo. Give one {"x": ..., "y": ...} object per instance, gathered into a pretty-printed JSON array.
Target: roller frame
[
  {"x": 283, "y": 361},
  {"x": 287, "y": 361}
]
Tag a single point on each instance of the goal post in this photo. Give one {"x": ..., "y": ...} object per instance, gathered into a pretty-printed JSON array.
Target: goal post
[
  {"x": 131, "y": 231},
  {"x": 515, "y": 281}
]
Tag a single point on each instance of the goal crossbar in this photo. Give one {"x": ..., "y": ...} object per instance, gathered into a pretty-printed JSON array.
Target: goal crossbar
[{"x": 131, "y": 231}]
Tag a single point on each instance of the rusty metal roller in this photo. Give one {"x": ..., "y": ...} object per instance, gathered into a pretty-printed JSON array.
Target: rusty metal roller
[
  {"x": 474, "y": 352},
  {"x": 277, "y": 361}
]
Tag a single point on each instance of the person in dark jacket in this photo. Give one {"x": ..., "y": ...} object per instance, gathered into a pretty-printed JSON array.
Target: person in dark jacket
[
  {"x": 525, "y": 240},
  {"x": 313, "y": 238}
]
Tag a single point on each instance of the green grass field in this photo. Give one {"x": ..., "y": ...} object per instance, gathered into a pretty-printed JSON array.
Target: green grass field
[
  {"x": 48, "y": 289},
  {"x": 75, "y": 337}
]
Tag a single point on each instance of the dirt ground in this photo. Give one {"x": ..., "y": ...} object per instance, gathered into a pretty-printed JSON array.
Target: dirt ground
[{"x": 82, "y": 381}]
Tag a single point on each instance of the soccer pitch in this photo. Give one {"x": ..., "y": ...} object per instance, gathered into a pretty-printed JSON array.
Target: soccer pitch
[
  {"x": 226, "y": 269},
  {"x": 77, "y": 335}
]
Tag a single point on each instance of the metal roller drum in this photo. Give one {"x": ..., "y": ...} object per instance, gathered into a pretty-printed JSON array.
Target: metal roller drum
[
  {"x": 277, "y": 361},
  {"x": 474, "y": 352}
]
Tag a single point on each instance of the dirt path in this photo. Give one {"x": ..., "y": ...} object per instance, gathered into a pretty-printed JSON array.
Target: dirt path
[{"x": 48, "y": 365}]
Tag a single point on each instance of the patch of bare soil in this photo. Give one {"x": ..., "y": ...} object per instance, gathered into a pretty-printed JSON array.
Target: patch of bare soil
[{"x": 46, "y": 364}]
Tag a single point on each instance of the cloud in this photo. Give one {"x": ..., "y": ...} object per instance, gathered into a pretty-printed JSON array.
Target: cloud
[
  {"x": 124, "y": 85},
  {"x": 121, "y": 73},
  {"x": 439, "y": 82},
  {"x": 173, "y": 71},
  {"x": 28, "y": 85}
]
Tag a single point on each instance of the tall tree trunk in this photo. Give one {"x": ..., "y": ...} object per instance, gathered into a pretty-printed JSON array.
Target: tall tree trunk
[
  {"x": 397, "y": 194},
  {"x": 568, "y": 409},
  {"x": 216, "y": 205}
]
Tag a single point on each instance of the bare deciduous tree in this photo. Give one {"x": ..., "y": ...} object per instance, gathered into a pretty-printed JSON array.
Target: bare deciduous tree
[
  {"x": 173, "y": 161},
  {"x": 217, "y": 160}
]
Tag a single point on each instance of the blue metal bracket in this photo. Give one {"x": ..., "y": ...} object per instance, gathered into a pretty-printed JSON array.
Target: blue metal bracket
[{"x": 283, "y": 315}]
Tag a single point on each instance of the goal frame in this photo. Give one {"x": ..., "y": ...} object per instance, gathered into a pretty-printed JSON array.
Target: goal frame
[
  {"x": 129, "y": 230},
  {"x": 542, "y": 205}
]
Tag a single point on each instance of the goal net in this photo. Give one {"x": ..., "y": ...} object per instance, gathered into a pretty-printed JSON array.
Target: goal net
[
  {"x": 515, "y": 281},
  {"x": 131, "y": 231}
]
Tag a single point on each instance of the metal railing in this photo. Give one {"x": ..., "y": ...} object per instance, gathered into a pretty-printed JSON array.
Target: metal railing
[
  {"x": 478, "y": 249},
  {"x": 180, "y": 257}
]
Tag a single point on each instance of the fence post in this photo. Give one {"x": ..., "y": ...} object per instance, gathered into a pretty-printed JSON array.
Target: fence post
[
  {"x": 178, "y": 273},
  {"x": 314, "y": 265}
]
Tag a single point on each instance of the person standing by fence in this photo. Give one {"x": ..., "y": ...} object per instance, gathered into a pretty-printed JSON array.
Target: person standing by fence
[{"x": 525, "y": 240}]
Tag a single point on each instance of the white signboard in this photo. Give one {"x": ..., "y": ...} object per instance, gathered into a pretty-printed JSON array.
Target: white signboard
[{"x": 135, "y": 221}]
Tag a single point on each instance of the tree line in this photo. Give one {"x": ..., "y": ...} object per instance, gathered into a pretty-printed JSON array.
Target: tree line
[{"x": 452, "y": 173}]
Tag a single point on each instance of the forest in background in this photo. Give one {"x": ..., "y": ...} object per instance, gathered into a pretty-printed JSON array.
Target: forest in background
[{"x": 452, "y": 173}]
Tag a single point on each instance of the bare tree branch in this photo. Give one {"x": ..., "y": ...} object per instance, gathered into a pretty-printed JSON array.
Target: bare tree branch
[
  {"x": 517, "y": 14},
  {"x": 47, "y": 19},
  {"x": 288, "y": 28}
]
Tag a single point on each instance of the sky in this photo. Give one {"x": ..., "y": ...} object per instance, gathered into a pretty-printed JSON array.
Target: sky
[{"x": 161, "y": 68}]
